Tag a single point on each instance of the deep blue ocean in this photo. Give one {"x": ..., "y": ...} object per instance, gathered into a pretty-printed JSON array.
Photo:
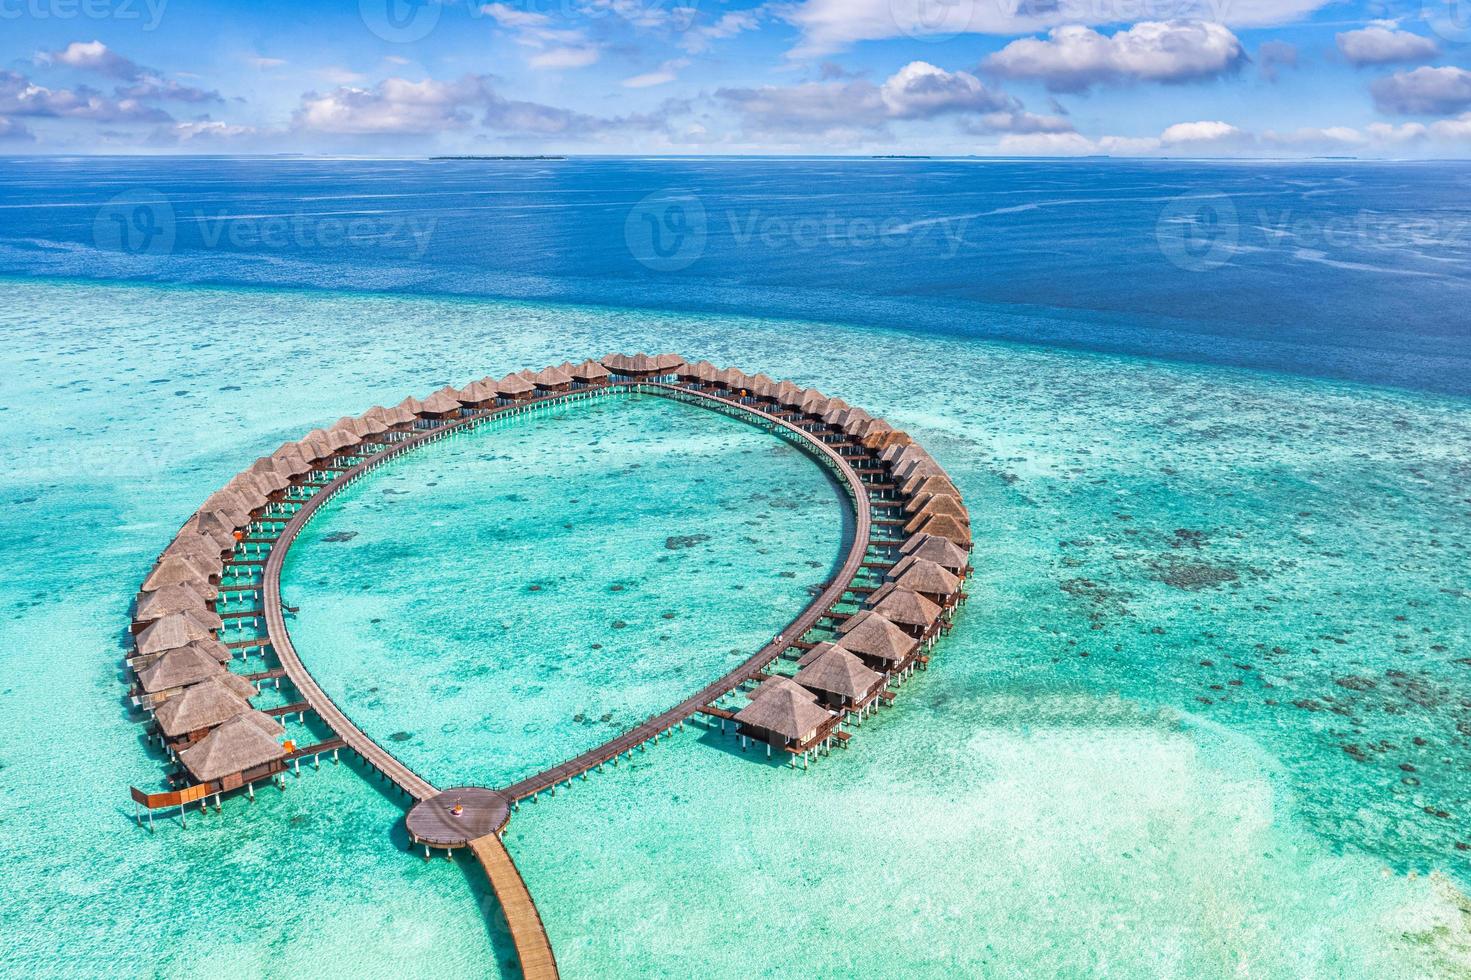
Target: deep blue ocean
[{"x": 1339, "y": 269}]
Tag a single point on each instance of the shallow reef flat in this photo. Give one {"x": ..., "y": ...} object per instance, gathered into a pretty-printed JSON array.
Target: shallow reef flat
[{"x": 1206, "y": 712}]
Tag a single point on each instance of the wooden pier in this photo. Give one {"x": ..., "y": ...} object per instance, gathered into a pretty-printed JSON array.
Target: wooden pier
[{"x": 847, "y": 442}]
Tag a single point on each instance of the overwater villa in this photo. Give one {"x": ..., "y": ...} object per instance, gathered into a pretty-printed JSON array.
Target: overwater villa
[{"x": 218, "y": 583}]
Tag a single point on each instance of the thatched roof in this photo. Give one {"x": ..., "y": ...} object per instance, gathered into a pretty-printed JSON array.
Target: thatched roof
[
  {"x": 762, "y": 386},
  {"x": 201, "y": 550},
  {"x": 838, "y": 672},
  {"x": 924, "y": 576},
  {"x": 354, "y": 428},
  {"x": 339, "y": 438},
  {"x": 250, "y": 488},
  {"x": 551, "y": 377},
  {"x": 885, "y": 438},
  {"x": 929, "y": 579},
  {"x": 230, "y": 505},
  {"x": 789, "y": 394},
  {"x": 217, "y": 527},
  {"x": 933, "y": 485},
  {"x": 813, "y": 403},
  {"x": 442, "y": 402},
  {"x": 208, "y": 646},
  {"x": 774, "y": 682},
  {"x": 270, "y": 473},
  {"x": 400, "y": 414},
  {"x": 933, "y": 548},
  {"x": 589, "y": 370},
  {"x": 292, "y": 460},
  {"x": 514, "y": 384},
  {"x": 784, "y": 711},
  {"x": 817, "y": 650},
  {"x": 179, "y": 570},
  {"x": 916, "y": 468},
  {"x": 897, "y": 456},
  {"x": 944, "y": 526},
  {"x": 903, "y": 607},
  {"x": 642, "y": 364},
  {"x": 701, "y": 371},
  {"x": 373, "y": 422},
  {"x": 856, "y": 421},
  {"x": 316, "y": 444},
  {"x": 936, "y": 506},
  {"x": 155, "y": 605},
  {"x": 731, "y": 378},
  {"x": 203, "y": 705},
  {"x": 480, "y": 392},
  {"x": 412, "y": 405},
  {"x": 836, "y": 408},
  {"x": 176, "y": 630},
  {"x": 244, "y": 742},
  {"x": 869, "y": 634},
  {"x": 179, "y": 668}
]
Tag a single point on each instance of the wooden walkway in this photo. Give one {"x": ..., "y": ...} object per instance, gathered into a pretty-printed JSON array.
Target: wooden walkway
[
  {"x": 806, "y": 619},
  {"x": 527, "y": 932},
  {"x": 533, "y": 948}
]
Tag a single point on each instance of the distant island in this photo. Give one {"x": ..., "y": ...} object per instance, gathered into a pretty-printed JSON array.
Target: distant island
[
  {"x": 498, "y": 158},
  {"x": 899, "y": 156}
]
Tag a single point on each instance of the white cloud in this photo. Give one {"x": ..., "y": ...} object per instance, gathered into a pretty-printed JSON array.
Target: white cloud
[
  {"x": 663, "y": 75},
  {"x": 19, "y": 96},
  {"x": 697, "y": 38},
  {"x": 1453, "y": 129},
  {"x": 1384, "y": 43},
  {"x": 258, "y": 61},
  {"x": 92, "y": 56},
  {"x": 854, "y": 109},
  {"x": 579, "y": 56},
  {"x": 1198, "y": 133},
  {"x": 557, "y": 48},
  {"x": 919, "y": 90},
  {"x": 396, "y": 106},
  {"x": 831, "y": 25},
  {"x": 1424, "y": 92},
  {"x": 137, "y": 81},
  {"x": 1074, "y": 58}
]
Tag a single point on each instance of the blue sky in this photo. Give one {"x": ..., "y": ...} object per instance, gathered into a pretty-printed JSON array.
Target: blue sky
[{"x": 1022, "y": 77}]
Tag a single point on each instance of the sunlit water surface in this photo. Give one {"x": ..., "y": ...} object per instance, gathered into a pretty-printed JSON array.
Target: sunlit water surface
[{"x": 1216, "y": 616}]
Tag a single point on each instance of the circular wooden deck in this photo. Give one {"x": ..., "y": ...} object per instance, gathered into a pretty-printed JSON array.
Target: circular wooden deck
[{"x": 455, "y": 817}]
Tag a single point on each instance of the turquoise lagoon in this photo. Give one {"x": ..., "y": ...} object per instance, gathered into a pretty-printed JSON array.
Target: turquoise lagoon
[
  {"x": 1201, "y": 717},
  {"x": 498, "y": 602}
]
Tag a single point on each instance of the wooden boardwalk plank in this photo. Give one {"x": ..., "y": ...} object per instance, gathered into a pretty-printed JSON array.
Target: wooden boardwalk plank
[{"x": 528, "y": 934}]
